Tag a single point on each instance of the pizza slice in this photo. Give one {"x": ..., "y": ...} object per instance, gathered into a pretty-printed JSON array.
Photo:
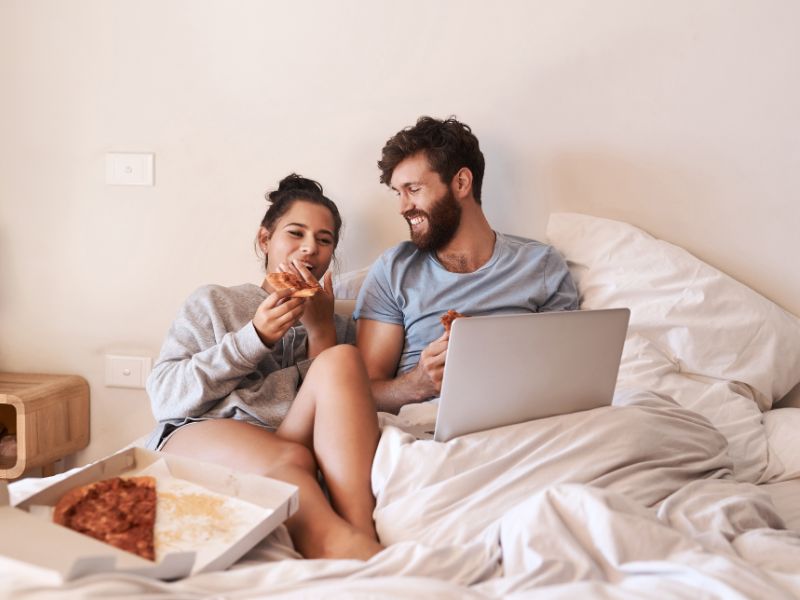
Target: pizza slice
[
  {"x": 280, "y": 280},
  {"x": 448, "y": 318},
  {"x": 118, "y": 511}
]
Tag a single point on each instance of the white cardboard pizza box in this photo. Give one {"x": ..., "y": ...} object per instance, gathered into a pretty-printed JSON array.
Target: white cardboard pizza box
[{"x": 30, "y": 538}]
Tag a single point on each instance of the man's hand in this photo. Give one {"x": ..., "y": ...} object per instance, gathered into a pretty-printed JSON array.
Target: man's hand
[
  {"x": 430, "y": 368},
  {"x": 381, "y": 345}
]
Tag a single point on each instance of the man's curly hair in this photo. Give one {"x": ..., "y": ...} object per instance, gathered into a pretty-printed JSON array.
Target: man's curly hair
[{"x": 448, "y": 145}]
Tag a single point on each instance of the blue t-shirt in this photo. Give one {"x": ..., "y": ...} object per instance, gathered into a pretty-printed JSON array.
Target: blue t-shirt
[{"x": 409, "y": 287}]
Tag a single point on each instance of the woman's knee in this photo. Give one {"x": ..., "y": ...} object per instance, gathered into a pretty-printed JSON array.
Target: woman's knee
[
  {"x": 336, "y": 370},
  {"x": 342, "y": 358},
  {"x": 292, "y": 454}
]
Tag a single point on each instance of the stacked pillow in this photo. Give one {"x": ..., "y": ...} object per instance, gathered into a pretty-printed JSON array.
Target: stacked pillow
[
  {"x": 708, "y": 323},
  {"x": 696, "y": 334}
]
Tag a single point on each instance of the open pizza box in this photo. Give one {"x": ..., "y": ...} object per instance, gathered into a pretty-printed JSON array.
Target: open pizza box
[{"x": 210, "y": 517}]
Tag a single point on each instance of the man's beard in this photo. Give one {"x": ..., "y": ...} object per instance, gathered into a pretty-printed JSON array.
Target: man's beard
[{"x": 443, "y": 222}]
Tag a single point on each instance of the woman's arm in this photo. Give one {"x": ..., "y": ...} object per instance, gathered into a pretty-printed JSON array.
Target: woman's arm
[
  {"x": 203, "y": 361},
  {"x": 187, "y": 380}
]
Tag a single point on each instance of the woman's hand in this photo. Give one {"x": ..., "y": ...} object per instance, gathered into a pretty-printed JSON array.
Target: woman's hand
[
  {"x": 319, "y": 308},
  {"x": 275, "y": 315},
  {"x": 318, "y": 315}
]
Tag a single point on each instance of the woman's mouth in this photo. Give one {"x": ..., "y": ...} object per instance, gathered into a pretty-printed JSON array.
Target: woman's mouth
[{"x": 306, "y": 264}]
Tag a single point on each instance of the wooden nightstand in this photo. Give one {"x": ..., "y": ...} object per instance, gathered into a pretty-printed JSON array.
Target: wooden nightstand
[{"x": 49, "y": 414}]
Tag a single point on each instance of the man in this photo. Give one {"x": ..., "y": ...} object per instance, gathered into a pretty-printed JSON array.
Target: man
[{"x": 455, "y": 260}]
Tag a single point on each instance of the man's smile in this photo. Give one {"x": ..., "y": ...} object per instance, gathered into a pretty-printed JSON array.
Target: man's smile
[{"x": 415, "y": 220}]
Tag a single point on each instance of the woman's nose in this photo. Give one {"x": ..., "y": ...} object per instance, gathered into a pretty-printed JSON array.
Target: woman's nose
[{"x": 308, "y": 247}]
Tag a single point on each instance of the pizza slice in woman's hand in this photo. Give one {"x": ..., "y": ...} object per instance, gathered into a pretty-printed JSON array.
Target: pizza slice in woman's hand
[{"x": 280, "y": 280}]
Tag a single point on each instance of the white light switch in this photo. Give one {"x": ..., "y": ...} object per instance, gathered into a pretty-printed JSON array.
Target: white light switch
[
  {"x": 128, "y": 168},
  {"x": 127, "y": 371}
]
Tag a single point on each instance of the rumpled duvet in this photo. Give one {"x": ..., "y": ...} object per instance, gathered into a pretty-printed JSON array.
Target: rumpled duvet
[{"x": 636, "y": 500}]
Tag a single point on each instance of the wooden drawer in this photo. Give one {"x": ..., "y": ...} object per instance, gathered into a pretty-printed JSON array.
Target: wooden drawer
[{"x": 49, "y": 414}]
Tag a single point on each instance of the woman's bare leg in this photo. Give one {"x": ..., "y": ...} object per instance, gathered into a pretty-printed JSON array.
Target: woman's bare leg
[
  {"x": 334, "y": 416},
  {"x": 316, "y": 530}
]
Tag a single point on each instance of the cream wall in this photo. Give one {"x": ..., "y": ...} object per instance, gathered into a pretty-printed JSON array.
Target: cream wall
[{"x": 678, "y": 116}]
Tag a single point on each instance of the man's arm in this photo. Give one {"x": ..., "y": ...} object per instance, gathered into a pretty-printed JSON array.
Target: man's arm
[{"x": 381, "y": 345}]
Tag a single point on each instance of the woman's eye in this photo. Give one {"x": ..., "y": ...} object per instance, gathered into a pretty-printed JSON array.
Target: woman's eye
[
  {"x": 296, "y": 234},
  {"x": 325, "y": 241},
  {"x": 413, "y": 190}
]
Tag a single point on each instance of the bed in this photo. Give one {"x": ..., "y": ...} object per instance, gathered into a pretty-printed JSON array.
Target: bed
[{"x": 687, "y": 487}]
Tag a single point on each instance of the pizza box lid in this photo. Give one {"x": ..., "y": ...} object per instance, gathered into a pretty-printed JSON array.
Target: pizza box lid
[{"x": 38, "y": 541}]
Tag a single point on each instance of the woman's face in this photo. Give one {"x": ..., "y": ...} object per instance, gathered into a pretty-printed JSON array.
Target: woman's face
[{"x": 305, "y": 233}]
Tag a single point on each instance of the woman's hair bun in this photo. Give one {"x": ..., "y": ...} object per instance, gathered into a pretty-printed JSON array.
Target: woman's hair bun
[
  {"x": 295, "y": 182},
  {"x": 295, "y": 188}
]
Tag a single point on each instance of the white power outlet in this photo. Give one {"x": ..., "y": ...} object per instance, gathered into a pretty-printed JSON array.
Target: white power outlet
[
  {"x": 127, "y": 371},
  {"x": 129, "y": 168}
]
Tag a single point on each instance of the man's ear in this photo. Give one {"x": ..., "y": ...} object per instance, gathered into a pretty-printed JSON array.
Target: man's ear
[
  {"x": 263, "y": 239},
  {"x": 461, "y": 184}
]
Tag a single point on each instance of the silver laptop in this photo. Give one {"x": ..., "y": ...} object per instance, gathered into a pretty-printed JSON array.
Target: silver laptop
[{"x": 507, "y": 369}]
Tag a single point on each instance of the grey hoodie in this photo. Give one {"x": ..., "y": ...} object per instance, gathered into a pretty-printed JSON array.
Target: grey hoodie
[{"x": 213, "y": 364}]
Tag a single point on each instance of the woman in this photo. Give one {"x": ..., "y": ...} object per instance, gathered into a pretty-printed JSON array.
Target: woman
[{"x": 235, "y": 383}]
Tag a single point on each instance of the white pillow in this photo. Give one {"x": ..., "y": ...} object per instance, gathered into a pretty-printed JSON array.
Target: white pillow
[
  {"x": 705, "y": 322},
  {"x": 346, "y": 285}
]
